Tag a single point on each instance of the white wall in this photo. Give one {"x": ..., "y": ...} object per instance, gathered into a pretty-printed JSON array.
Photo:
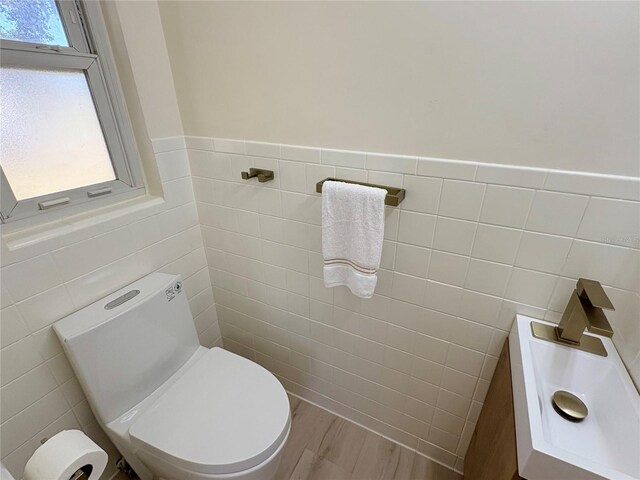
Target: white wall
[
  {"x": 547, "y": 84},
  {"x": 73, "y": 263},
  {"x": 471, "y": 246}
]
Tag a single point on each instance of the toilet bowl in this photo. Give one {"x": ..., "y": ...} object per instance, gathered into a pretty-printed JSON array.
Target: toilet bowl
[{"x": 174, "y": 409}]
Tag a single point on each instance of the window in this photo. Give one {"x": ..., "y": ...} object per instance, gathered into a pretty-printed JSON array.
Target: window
[{"x": 64, "y": 137}]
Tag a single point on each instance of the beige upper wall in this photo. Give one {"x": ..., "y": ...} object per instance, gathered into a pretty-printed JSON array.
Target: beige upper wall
[
  {"x": 138, "y": 42},
  {"x": 540, "y": 84},
  {"x": 139, "y": 50}
]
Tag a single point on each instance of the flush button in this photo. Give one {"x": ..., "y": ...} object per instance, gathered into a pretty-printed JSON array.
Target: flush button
[
  {"x": 568, "y": 406},
  {"x": 121, "y": 299}
]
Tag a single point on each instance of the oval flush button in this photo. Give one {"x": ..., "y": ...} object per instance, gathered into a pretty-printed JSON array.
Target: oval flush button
[
  {"x": 569, "y": 407},
  {"x": 121, "y": 299}
]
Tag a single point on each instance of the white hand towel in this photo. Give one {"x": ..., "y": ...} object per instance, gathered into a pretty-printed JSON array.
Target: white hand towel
[{"x": 352, "y": 234}]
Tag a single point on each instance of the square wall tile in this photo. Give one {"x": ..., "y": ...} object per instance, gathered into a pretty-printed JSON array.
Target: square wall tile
[
  {"x": 416, "y": 228},
  {"x": 408, "y": 289},
  {"x": 443, "y": 297},
  {"x": 506, "y": 206},
  {"x": 317, "y": 173},
  {"x": 430, "y": 348},
  {"x": 12, "y": 327},
  {"x": 293, "y": 176},
  {"x": 470, "y": 334},
  {"x": 531, "y": 288},
  {"x": 610, "y": 265},
  {"x": 425, "y": 371},
  {"x": 423, "y": 194},
  {"x": 448, "y": 268},
  {"x": 510, "y": 309},
  {"x": 546, "y": 253},
  {"x": 33, "y": 419},
  {"x": 412, "y": 260},
  {"x": 464, "y": 360},
  {"x": 17, "y": 359},
  {"x": 453, "y": 403},
  {"x": 173, "y": 165},
  {"x": 460, "y": 383},
  {"x": 29, "y": 388},
  {"x": 487, "y": 277},
  {"x": 30, "y": 277},
  {"x": 558, "y": 213},
  {"x": 480, "y": 308},
  {"x": 455, "y": 236},
  {"x": 46, "y": 308},
  {"x": 498, "y": 244},
  {"x": 615, "y": 222},
  {"x": 461, "y": 199},
  {"x": 270, "y": 202}
]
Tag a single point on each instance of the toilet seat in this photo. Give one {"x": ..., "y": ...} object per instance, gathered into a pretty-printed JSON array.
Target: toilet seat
[{"x": 226, "y": 414}]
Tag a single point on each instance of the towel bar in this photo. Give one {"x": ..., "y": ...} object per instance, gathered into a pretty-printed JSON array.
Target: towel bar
[{"x": 393, "y": 198}]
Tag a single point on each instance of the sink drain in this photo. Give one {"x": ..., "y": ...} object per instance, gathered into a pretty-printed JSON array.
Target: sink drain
[{"x": 568, "y": 406}]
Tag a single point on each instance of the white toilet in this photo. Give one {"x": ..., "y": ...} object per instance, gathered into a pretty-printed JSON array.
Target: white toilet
[{"x": 174, "y": 409}]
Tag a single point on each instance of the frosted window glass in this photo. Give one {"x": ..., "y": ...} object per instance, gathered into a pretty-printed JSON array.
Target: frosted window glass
[
  {"x": 50, "y": 136},
  {"x": 35, "y": 21}
]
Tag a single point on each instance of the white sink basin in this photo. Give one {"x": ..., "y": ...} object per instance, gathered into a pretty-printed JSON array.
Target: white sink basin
[{"x": 604, "y": 445}]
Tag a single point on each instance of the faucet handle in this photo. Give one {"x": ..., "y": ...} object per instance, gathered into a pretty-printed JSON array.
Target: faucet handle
[{"x": 592, "y": 291}]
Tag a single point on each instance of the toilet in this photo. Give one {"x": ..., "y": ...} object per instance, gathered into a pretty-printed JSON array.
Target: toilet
[{"x": 175, "y": 410}]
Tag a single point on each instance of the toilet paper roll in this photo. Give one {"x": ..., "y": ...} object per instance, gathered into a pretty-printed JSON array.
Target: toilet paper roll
[{"x": 63, "y": 454}]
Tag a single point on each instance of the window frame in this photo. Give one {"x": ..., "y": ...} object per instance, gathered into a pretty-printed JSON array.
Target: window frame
[{"x": 88, "y": 52}]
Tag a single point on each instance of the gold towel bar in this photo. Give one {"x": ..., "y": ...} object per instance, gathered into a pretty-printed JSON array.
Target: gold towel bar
[{"x": 393, "y": 198}]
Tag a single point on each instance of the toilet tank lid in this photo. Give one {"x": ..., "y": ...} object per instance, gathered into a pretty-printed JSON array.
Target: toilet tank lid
[{"x": 96, "y": 314}]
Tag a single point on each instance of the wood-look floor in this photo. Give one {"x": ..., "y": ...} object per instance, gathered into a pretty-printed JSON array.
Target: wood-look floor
[{"x": 322, "y": 446}]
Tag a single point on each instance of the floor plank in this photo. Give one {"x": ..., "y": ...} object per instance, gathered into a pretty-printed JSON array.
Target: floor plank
[
  {"x": 315, "y": 467},
  {"x": 381, "y": 459},
  {"x": 306, "y": 419},
  {"x": 342, "y": 443}
]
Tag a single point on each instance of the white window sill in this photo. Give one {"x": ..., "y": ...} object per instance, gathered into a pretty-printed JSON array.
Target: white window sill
[{"x": 17, "y": 237}]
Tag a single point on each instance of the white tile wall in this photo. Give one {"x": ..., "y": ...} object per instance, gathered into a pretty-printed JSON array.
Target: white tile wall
[
  {"x": 469, "y": 247},
  {"x": 39, "y": 394}
]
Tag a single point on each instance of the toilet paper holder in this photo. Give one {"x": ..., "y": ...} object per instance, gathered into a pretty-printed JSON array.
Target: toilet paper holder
[{"x": 81, "y": 474}]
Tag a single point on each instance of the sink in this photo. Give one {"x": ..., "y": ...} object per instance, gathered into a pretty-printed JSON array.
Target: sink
[{"x": 606, "y": 444}]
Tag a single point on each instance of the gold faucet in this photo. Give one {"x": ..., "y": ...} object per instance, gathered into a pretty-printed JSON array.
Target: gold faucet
[{"x": 584, "y": 311}]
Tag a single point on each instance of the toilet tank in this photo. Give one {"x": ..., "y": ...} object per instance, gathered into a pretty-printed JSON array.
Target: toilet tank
[{"x": 126, "y": 345}]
